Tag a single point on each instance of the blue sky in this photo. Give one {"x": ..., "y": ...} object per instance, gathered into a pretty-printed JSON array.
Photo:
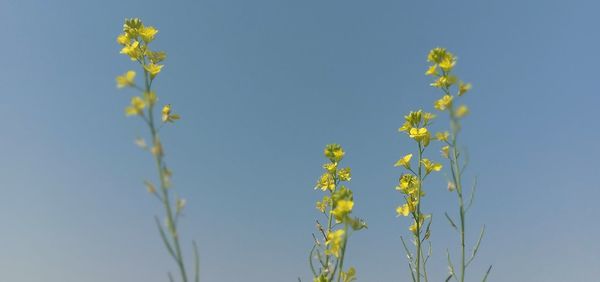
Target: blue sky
[{"x": 262, "y": 86}]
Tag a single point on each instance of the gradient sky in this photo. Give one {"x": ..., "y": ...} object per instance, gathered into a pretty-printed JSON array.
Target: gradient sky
[{"x": 262, "y": 86}]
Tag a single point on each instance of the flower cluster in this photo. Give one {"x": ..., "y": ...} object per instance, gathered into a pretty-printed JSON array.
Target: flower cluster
[
  {"x": 134, "y": 42},
  {"x": 410, "y": 184},
  {"x": 442, "y": 64},
  {"x": 441, "y": 69},
  {"x": 336, "y": 206}
]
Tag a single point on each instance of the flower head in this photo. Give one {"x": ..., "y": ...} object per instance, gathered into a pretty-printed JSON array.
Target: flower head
[
  {"x": 404, "y": 161},
  {"x": 334, "y": 152},
  {"x": 334, "y": 242},
  {"x": 126, "y": 79},
  {"x": 443, "y": 103},
  {"x": 136, "y": 107}
]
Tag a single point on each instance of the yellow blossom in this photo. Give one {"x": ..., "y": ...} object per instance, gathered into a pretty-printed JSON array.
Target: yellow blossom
[
  {"x": 123, "y": 39},
  {"x": 444, "y": 81},
  {"x": 463, "y": 88},
  {"x": 326, "y": 182},
  {"x": 405, "y": 127},
  {"x": 445, "y": 151},
  {"x": 404, "y": 161},
  {"x": 334, "y": 152},
  {"x": 136, "y": 107},
  {"x": 442, "y": 136},
  {"x": 342, "y": 208},
  {"x": 431, "y": 166},
  {"x": 344, "y": 174},
  {"x": 427, "y": 117},
  {"x": 409, "y": 184},
  {"x": 126, "y": 79},
  {"x": 147, "y": 33},
  {"x": 403, "y": 210},
  {"x": 167, "y": 116},
  {"x": 447, "y": 62},
  {"x": 156, "y": 56},
  {"x": 132, "y": 50},
  {"x": 461, "y": 111},
  {"x": 334, "y": 241},
  {"x": 153, "y": 69},
  {"x": 436, "y": 55},
  {"x": 323, "y": 204},
  {"x": 330, "y": 167},
  {"x": 443, "y": 103},
  {"x": 432, "y": 70},
  {"x": 419, "y": 134}
]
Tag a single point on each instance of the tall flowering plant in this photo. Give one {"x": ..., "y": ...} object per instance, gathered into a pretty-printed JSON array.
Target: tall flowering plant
[
  {"x": 441, "y": 69},
  {"x": 411, "y": 187},
  {"x": 135, "y": 43},
  {"x": 330, "y": 243}
]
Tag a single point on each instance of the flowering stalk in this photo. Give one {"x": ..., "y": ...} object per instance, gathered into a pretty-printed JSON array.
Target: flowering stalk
[
  {"x": 336, "y": 208},
  {"x": 135, "y": 41},
  {"x": 411, "y": 186},
  {"x": 443, "y": 63}
]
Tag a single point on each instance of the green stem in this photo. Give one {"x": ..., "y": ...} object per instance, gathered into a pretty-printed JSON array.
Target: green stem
[{"x": 158, "y": 156}]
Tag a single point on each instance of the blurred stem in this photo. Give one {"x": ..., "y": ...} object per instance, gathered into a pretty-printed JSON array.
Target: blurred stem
[
  {"x": 158, "y": 156},
  {"x": 456, "y": 178}
]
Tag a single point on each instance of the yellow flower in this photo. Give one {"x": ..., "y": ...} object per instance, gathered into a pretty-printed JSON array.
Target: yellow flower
[
  {"x": 334, "y": 152},
  {"x": 322, "y": 205},
  {"x": 404, "y": 161},
  {"x": 403, "y": 210},
  {"x": 419, "y": 134},
  {"x": 349, "y": 275},
  {"x": 344, "y": 174},
  {"x": 443, "y": 103},
  {"x": 447, "y": 62},
  {"x": 414, "y": 117},
  {"x": 444, "y": 81},
  {"x": 326, "y": 182},
  {"x": 147, "y": 33},
  {"x": 431, "y": 166},
  {"x": 432, "y": 70},
  {"x": 126, "y": 79},
  {"x": 445, "y": 151},
  {"x": 153, "y": 69},
  {"x": 136, "y": 107},
  {"x": 167, "y": 116},
  {"x": 132, "y": 50},
  {"x": 413, "y": 227},
  {"x": 442, "y": 136},
  {"x": 463, "y": 88},
  {"x": 409, "y": 184},
  {"x": 342, "y": 208},
  {"x": 427, "y": 117},
  {"x": 405, "y": 127},
  {"x": 132, "y": 26},
  {"x": 156, "y": 56},
  {"x": 123, "y": 39},
  {"x": 334, "y": 241},
  {"x": 461, "y": 111},
  {"x": 436, "y": 55},
  {"x": 330, "y": 167}
]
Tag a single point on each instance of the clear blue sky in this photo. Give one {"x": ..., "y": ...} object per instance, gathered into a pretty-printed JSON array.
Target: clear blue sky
[{"x": 262, "y": 86}]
